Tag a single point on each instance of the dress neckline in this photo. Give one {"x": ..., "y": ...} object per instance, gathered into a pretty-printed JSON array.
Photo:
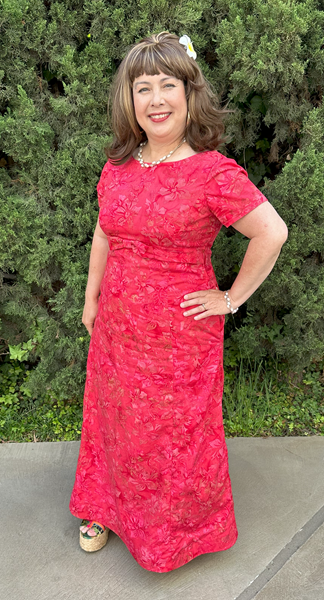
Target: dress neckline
[{"x": 173, "y": 162}]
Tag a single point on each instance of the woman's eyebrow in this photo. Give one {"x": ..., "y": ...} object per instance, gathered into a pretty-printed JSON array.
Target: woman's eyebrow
[
  {"x": 148, "y": 83},
  {"x": 141, "y": 83}
]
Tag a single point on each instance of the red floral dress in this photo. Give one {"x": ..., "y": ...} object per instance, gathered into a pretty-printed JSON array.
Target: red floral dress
[{"x": 153, "y": 463}]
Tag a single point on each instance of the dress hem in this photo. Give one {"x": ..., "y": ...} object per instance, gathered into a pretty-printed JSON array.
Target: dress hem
[{"x": 161, "y": 570}]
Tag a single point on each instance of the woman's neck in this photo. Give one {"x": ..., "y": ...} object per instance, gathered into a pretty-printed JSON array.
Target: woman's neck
[{"x": 154, "y": 149}]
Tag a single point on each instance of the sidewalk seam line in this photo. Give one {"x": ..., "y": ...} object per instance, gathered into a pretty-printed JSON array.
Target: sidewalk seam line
[{"x": 272, "y": 568}]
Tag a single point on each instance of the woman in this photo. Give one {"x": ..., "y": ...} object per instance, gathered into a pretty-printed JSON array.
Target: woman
[{"x": 153, "y": 464}]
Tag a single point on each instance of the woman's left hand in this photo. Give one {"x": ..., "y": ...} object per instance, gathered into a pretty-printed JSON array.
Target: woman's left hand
[{"x": 214, "y": 301}]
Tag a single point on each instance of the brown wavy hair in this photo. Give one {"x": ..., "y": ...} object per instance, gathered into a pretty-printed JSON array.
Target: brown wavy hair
[{"x": 162, "y": 53}]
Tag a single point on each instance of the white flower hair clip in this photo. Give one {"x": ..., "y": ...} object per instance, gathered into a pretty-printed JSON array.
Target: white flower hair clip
[{"x": 186, "y": 41}]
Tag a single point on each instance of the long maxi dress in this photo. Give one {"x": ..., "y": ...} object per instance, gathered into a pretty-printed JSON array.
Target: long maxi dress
[{"x": 153, "y": 462}]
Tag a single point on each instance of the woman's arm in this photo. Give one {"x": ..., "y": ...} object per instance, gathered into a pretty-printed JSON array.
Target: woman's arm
[
  {"x": 267, "y": 233},
  {"x": 98, "y": 259}
]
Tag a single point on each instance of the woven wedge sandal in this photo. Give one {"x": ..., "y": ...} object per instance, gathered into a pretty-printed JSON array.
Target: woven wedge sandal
[{"x": 93, "y": 543}]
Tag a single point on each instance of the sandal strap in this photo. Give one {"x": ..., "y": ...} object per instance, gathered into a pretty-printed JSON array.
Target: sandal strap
[
  {"x": 85, "y": 522},
  {"x": 98, "y": 527},
  {"x": 96, "y": 524}
]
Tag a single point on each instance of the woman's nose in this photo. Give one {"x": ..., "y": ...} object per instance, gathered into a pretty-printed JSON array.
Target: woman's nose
[{"x": 157, "y": 97}]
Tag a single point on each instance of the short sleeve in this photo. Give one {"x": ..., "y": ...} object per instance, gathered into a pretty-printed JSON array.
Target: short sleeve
[
  {"x": 230, "y": 193},
  {"x": 103, "y": 182}
]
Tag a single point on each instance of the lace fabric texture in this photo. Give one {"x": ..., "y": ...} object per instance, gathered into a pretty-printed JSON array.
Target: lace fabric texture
[{"x": 153, "y": 462}]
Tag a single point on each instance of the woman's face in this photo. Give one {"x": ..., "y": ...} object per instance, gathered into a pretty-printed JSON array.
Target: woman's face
[{"x": 160, "y": 106}]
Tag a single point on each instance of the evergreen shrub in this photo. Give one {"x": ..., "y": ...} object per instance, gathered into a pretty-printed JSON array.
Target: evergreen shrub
[{"x": 265, "y": 59}]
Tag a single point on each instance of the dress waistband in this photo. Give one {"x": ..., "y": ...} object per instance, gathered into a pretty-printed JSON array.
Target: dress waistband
[{"x": 171, "y": 254}]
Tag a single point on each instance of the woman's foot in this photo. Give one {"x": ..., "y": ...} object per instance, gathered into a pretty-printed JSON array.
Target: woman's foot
[
  {"x": 84, "y": 528},
  {"x": 93, "y": 535}
]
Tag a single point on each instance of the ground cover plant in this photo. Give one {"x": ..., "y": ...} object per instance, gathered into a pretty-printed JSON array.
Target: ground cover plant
[{"x": 265, "y": 59}]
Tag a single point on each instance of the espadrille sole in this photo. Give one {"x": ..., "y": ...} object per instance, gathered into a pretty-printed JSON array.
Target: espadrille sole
[{"x": 94, "y": 544}]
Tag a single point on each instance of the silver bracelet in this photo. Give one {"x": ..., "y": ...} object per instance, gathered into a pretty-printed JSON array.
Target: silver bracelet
[{"x": 228, "y": 304}]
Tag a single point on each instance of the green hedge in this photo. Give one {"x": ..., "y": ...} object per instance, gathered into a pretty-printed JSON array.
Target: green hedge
[{"x": 57, "y": 60}]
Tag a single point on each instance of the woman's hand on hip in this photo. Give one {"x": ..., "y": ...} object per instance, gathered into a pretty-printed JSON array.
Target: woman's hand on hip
[
  {"x": 214, "y": 301},
  {"x": 89, "y": 314}
]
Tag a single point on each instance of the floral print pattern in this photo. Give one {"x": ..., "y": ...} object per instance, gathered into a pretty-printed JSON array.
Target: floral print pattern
[{"x": 153, "y": 463}]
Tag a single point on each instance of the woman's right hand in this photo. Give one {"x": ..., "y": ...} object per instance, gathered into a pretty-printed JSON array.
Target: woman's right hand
[{"x": 89, "y": 314}]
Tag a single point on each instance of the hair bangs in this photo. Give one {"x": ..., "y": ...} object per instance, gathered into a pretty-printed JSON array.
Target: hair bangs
[{"x": 156, "y": 59}]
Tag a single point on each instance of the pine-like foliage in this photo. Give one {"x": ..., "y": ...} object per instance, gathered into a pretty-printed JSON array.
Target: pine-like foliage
[{"x": 57, "y": 60}]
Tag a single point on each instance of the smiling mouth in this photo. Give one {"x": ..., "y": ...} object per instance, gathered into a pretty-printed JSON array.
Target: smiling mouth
[{"x": 160, "y": 117}]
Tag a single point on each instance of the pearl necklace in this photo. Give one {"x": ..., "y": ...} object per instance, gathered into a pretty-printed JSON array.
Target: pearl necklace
[{"x": 155, "y": 162}]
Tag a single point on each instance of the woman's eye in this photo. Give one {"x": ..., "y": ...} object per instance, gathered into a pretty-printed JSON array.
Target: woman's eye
[{"x": 166, "y": 85}]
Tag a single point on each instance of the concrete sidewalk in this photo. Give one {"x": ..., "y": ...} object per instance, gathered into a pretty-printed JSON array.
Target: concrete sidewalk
[{"x": 278, "y": 488}]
